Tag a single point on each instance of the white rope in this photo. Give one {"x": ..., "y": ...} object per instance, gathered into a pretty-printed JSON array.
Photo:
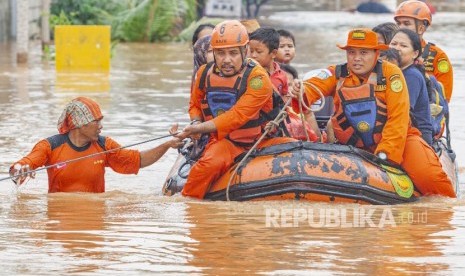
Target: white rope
[
  {"x": 282, "y": 114},
  {"x": 314, "y": 87},
  {"x": 275, "y": 123},
  {"x": 302, "y": 104},
  {"x": 301, "y": 110}
]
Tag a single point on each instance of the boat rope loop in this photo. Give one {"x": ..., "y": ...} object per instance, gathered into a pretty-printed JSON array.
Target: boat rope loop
[
  {"x": 269, "y": 126},
  {"x": 276, "y": 122},
  {"x": 301, "y": 97},
  {"x": 302, "y": 104}
]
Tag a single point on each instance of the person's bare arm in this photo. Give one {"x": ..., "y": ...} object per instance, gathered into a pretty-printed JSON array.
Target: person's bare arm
[
  {"x": 198, "y": 128},
  {"x": 148, "y": 157}
]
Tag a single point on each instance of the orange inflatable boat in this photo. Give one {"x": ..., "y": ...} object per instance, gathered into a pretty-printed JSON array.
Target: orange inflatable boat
[{"x": 310, "y": 171}]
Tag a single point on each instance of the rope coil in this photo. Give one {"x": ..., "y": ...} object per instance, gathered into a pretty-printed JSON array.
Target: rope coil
[
  {"x": 276, "y": 122},
  {"x": 279, "y": 118}
]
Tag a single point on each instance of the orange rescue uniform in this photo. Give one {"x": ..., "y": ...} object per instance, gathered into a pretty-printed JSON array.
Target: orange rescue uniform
[
  {"x": 220, "y": 152},
  {"x": 438, "y": 64},
  {"x": 399, "y": 140},
  {"x": 86, "y": 175}
]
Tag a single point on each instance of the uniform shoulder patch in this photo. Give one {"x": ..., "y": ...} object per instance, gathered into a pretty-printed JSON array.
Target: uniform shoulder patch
[
  {"x": 324, "y": 74},
  {"x": 256, "y": 83},
  {"x": 443, "y": 66},
  {"x": 396, "y": 83}
]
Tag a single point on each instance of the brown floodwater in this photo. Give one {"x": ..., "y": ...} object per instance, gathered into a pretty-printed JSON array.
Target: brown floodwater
[{"x": 133, "y": 229}]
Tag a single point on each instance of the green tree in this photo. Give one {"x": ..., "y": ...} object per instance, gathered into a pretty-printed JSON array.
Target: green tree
[
  {"x": 89, "y": 12},
  {"x": 154, "y": 20},
  {"x": 131, "y": 20}
]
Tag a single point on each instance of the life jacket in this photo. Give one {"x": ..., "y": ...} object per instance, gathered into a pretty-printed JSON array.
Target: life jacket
[
  {"x": 362, "y": 116},
  {"x": 221, "y": 94},
  {"x": 428, "y": 56},
  {"x": 438, "y": 106}
]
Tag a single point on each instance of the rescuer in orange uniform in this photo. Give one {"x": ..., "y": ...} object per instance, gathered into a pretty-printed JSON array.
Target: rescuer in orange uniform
[
  {"x": 416, "y": 16},
  {"x": 372, "y": 111},
  {"x": 79, "y": 128},
  {"x": 229, "y": 100}
]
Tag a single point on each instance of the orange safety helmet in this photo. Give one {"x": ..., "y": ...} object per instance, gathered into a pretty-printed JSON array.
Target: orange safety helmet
[
  {"x": 229, "y": 33},
  {"x": 414, "y": 9}
]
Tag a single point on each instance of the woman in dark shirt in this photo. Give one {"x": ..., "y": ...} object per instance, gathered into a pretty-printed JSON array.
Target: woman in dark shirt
[{"x": 408, "y": 44}]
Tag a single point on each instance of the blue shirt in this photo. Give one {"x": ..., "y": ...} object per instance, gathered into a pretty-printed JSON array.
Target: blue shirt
[{"x": 419, "y": 102}]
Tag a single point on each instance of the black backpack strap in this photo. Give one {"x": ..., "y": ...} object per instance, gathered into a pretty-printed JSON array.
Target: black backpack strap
[
  {"x": 245, "y": 77},
  {"x": 204, "y": 75},
  {"x": 341, "y": 71},
  {"x": 380, "y": 78},
  {"x": 278, "y": 105},
  {"x": 425, "y": 53}
]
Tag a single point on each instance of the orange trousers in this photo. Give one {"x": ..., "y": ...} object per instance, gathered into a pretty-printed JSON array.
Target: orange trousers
[
  {"x": 218, "y": 156},
  {"x": 424, "y": 168}
]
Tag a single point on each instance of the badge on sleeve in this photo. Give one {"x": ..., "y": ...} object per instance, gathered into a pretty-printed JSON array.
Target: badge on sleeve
[
  {"x": 256, "y": 83},
  {"x": 324, "y": 74},
  {"x": 443, "y": 66},
  {"x": 396, "y": 83}
]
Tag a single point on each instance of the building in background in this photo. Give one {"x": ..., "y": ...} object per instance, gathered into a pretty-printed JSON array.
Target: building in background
[
  {"x": 224, "y": 8},
  {"x": 8, "y": 19}
]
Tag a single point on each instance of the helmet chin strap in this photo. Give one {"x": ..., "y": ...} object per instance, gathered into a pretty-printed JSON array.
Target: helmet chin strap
[
  {"x": 243, "y": 56},
  {"x": 418, "y": 24}
]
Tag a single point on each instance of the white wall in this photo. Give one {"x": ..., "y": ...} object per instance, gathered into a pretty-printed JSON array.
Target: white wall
[{"x": 34, "y": 18}]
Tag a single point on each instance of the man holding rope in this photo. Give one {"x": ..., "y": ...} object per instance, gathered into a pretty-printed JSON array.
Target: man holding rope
[
  {"x": 79, "y": 140},
  {"x": 229, "y": 100},
  {"x": 371, "y": 102}
]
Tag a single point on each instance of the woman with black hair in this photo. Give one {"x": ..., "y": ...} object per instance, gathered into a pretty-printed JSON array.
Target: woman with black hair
[{"x": 408, "y": 43}]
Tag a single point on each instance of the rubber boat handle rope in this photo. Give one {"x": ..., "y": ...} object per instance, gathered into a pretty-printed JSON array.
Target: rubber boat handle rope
[
  {"x": 301, "y": 96},
  {"x": 302, "y": 104},
  {"x": 64, "y": 163},
  {"x": 279, "y": 118}
]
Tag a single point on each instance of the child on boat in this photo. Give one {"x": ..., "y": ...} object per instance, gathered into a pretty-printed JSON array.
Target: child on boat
[
  {"x": 286, "y": 50},
  {"x": 309, "y": 116},
  {"x": 391, "y": 55},
  {"x": 263, "y": 47}
]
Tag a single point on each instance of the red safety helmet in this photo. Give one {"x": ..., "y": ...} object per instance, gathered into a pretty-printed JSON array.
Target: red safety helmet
[
  {"x": 229, "y": 33},
  {"x": 414, "y": 9}
]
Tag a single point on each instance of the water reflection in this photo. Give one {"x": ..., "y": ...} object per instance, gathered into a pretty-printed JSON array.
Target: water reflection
[
  {"x": 132, "y": 229},
  {"x": 234, "y": 238},
  {"x": 76, "y": 222},
  {"x": 22, "y": 82},
  {"x": 82, "y": 82}
]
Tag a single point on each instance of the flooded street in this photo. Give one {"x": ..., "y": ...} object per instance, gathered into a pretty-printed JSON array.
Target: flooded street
[{"x": 132, "y": 229}]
